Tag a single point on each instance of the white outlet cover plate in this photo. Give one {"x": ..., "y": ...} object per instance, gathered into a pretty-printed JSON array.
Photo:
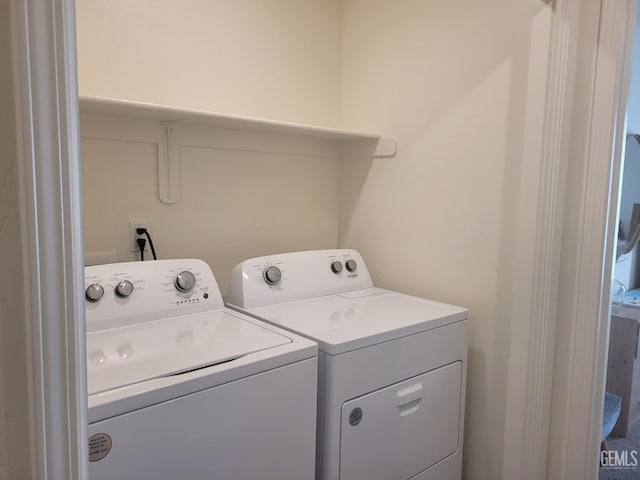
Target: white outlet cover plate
[{"x": 133, "y": 235}]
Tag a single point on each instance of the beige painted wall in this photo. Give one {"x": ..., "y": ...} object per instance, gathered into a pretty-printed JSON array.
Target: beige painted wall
[
  {"x": 14, "y": 418},
  {"x": 242, "y": 194},
  {"x": 448, "y": 79},
  {"x": 277, "y": 59}
]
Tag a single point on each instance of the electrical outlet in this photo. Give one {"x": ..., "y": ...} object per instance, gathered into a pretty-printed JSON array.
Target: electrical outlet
[{"x": 133, "y": 235}]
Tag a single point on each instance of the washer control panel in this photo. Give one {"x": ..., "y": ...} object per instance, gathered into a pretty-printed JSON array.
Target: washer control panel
[
  {"x": 124, "y": 293},
  {"x": 297, "y": 276}
]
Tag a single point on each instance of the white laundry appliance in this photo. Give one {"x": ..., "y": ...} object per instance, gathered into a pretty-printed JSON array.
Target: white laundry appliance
[
  {"x": 392, "y": 367},
  {"x": 181, "y": 387}
]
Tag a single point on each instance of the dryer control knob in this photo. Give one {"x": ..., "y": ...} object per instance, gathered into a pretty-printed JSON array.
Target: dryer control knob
[
  {"x": 272, "y": 275},
  {"x": 351, "y": 265},
  {"x": 94, "y": 292},
  {"x": 336, "y": 267},
  {"x": 124, "y": 288},
  {"x": 185, "y": 281}
]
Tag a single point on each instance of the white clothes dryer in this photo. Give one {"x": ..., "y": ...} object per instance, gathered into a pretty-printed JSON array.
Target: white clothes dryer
[
  {"x": 181, "y": 387},
  {"x": 392, "y": 367}
]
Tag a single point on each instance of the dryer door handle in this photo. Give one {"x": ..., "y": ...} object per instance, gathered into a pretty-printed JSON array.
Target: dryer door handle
[{"x": 408, "y": 399}]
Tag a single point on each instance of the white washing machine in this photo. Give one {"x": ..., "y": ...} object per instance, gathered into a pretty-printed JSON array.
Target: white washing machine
[
  {"x": 181, "y": 387},
  {"x": 392, "y": 367}
]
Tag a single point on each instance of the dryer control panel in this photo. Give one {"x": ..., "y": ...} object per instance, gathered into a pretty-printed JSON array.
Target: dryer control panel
[
  {"x": 297, "y": 276},
  {"x": 132, "y": 292}
]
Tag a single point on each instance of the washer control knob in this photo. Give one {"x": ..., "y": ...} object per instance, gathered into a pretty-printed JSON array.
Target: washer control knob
[
  {"x": 185, "y": 281},
  {"x": 272, "y": 275},
  {"x": 126, "y": 351},
  {"x": 336, "y": 267},
  {"x": 98, "y": 357},
  {"x": 94, "y": 292},
  {"x": 124, "y": 288},
  {"x": 351, "y": 265}
]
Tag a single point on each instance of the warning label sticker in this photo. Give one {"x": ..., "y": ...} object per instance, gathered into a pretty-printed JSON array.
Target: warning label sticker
[{"x": 99, "y": 446}]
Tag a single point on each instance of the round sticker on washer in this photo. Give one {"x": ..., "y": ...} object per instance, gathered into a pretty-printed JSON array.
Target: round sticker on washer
[{"x": 99, "y": 446}]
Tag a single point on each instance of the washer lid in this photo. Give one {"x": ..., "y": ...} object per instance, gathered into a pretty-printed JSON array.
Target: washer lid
[
  {"x": 127, "y": 355},
  {"x": 351, "y": 320}
]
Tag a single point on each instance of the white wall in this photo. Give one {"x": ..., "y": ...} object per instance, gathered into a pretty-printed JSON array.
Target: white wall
[
  {"x": 14, "y": 418},
  {"x": 626, "y": 268},
  {"x": 448, "y": 79},
  {"x": 277, "y": 59},
  {"x": 630, "y": 193},
  {"x": 633, "y": 102}
]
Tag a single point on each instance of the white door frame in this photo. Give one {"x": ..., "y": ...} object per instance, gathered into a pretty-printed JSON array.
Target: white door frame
[
  {"x": 43, "y": 33},
  {"x": 539, "y": 239},
  {"x": 579, "y": 65},
  {"x": 583, "y": 323},
  {"x": 568, "y": 349}
]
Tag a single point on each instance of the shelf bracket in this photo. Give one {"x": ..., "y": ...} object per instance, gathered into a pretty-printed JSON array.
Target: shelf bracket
[
  {"x": 169, "y": 166},
  {"x": 387, "y": 147}
]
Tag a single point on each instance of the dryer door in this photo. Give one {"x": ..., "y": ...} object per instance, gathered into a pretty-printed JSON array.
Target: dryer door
[{"x": 398, "y": 431}]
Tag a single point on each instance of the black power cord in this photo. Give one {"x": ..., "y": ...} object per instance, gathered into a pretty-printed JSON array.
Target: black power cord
[
  {"x": 143, "y": 231},
  {"x": 142, "y": 242}
]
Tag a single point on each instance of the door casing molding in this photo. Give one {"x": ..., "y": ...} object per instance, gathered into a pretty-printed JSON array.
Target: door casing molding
[
  {"x": 564, "y": 260},
  {"x": 49, "y": 181}
]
